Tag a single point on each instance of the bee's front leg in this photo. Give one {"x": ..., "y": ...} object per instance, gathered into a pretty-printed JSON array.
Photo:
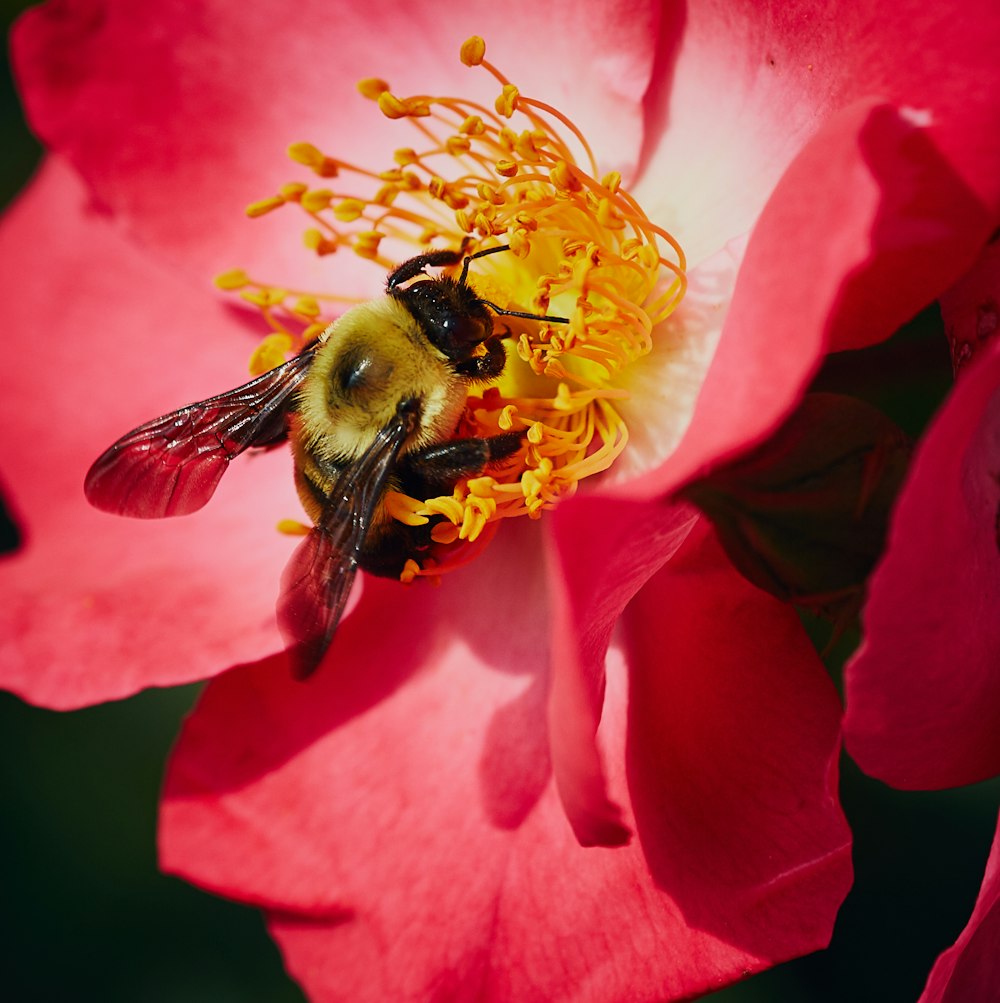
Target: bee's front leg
[
  {"x": 485, "y": 367},
  {"x": 433, "y": 470}
]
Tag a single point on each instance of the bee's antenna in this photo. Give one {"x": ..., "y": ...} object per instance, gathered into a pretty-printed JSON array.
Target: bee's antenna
[{"x": 469, "y": 258}]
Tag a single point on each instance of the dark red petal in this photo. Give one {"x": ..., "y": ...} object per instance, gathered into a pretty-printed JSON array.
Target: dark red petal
[
  {"x": 970, "y": 309},
  {"x": 732, "y": 752},
  {"x": 923, "y": 693},
  {"x": 970, "y": 970},
  {"x": 101, "y": 606}
]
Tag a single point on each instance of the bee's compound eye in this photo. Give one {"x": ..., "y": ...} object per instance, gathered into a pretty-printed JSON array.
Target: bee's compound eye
[{"x": 361, "y": 373}]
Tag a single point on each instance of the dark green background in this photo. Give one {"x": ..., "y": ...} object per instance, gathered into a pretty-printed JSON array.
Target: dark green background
[{"x": 84, "y": 914}]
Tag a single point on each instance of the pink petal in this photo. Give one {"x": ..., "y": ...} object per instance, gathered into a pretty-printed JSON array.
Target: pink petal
[
  {"x": 99, "y": 606},
  {"x": 900, "y": 228},
  {"x": 177, "y": 121},
  {"x": 398, "y": 812},
  {"x": 923, "y": 693},
  {"x": 602, "y": 553},
  {"x": 427, "y": 717},
  {"x": 733, "y": 745},
  {"x": 741, "y": 90},
  {"x": 970, "y": 970}
]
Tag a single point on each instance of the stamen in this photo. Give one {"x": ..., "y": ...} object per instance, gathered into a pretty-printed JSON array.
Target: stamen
[{"x": 519, "y": 174}]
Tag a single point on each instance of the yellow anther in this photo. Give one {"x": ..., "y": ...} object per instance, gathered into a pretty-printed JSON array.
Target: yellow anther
[
  {"x": 520, "y": 242},
  {"x": 405, "y": 509},
  {"x": 410, "y": 571},
  {"x": 405, "y": 156},
  {"x": 506, "y": 102},
  {"x": 348, "y": 210},
  {"x": 478, "y": 511},
  {"x": 563, "y": 399},
  {"x": 306, "y": 306},
  {"x": 484, "y": 223},
  {"x": 386, "y": 195},
  {"x": 507, "y": 138},
  {"x": 490, "y": 194},
  {"x": 366, "y": 244},
  {"x": 506, "y": 418},
  {"x": 313, "y": 331},
  {"x": 608, "y": 216},
  {"x": 270, "y": 353},
  {"x": 529, "y": 145},
  {"x": 316, "y": 241},
  {"x": 506, "y": 168},
  {"x": 293, "y": 191},
  {"x": 472, "y": 126},
  {"x": 266, "y": 297},
  {"x": 316, "y": 199},
  {"x": 457, "y": 145},
  {"x": 372, "y": 88},
  {"x": 536, "y": 433},
  {"x": 391, "y": 106},
  {"x": 264, "y": 206},
  {"x": 563, "y": 177},
  {"x": 481, "y": 487},
  {"x": 473, "y": 51},
  {"x": 292, "y": 527},
  {"x": 314, "y": 159},
  {"x": 418, "y": 108},
  {"x": 236, "y": 278},
  {"x": 445, "y": 533},
  {"x": 305, "y": 153},
  {"x": 612, "y": 181},
  {"x": 446, "y": 505}
]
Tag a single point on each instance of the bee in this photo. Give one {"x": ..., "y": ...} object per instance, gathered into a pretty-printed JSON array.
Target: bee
[{"x": 371, "y": 405}]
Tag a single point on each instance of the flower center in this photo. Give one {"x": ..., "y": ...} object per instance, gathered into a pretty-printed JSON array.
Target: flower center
[{"x": 520, "y": 174}]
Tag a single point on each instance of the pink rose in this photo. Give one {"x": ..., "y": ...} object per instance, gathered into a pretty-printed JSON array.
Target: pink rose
[{"x": 444, "y": 810}]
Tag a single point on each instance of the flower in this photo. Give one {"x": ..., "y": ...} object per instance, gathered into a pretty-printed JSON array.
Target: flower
[{"x": 404, "y": 818}]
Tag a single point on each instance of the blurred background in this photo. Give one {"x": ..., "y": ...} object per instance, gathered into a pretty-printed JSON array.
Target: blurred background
[{"x": 86, "y": 916}]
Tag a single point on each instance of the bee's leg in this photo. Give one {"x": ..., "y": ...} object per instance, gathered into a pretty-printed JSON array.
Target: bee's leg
[
  {"x": 435, "y": 469},
  {"x": 485, "y": 367}
]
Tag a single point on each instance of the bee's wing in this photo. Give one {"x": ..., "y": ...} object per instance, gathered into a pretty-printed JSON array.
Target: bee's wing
[
  {"x": 318, "y": 578},
  {"x": 173, "y": 464}
]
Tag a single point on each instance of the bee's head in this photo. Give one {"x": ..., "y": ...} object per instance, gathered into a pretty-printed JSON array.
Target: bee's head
[{"x": 452, "y": 317}]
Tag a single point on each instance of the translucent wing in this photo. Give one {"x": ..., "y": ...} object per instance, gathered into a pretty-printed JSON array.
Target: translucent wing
[
  {"x": 173, "y": 464},
  {"x": 318, "y": 578}
]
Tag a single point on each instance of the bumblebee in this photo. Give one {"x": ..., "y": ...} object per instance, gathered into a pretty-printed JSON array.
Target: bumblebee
[{"x": 371, "y": 405}]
